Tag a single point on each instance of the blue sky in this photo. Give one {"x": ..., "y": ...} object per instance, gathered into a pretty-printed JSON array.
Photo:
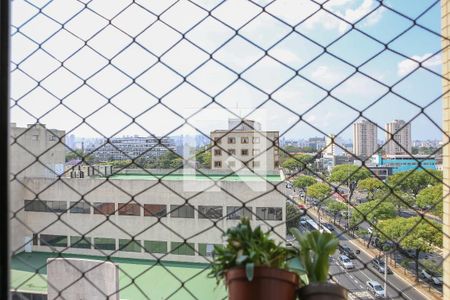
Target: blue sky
[{"x": 80, "y": 76}]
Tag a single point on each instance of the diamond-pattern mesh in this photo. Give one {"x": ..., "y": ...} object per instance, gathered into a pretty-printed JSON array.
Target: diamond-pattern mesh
[{"x": 110, "y": 69}]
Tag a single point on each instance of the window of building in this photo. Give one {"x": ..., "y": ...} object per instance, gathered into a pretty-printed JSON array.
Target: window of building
[
  {"x": 57, "y": 206},
  {"x": 210, "y": 212},
  {"x": 231, "y": 151},
  {"x": 80, "y": 242},
  {"x": 104, "y": 208},
  {"x": 104, "y": 244},
  {"x": 182, "y": 211},
  {"x": 80, "y": 208},
  {"x": 129, "y": 209},
  {"x": 52, "y": 137},
  {"x": 35, "y": 205},
  {"x": 231, "y": 140},
  {"x": 245, "y": 140},
  {"x": 35, "y": 137},
  {"x": 53, "y": 240},
  {"x": 217, "y": 140},
  {"x": 128, "y": 245},
  {"x": 180, "y": 248},
  {"x": 35, "y": 239},
  {"x": 155, "y": 210},
  {"x": 238, "y": 212},
  {"x": 244, "y": 152},
  {"x": 217, "y": 152},
  {"x": 269, "y": 213},
  {"x": 207, "y": 249},
  {"x": 255, "y": 140},
  {"x": 217, "y": 164},
  {"x": 155, "y": 247}
]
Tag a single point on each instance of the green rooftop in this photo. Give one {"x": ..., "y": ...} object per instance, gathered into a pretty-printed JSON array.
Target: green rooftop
[
  {"x": 212, "y": 177},
  {"x": 152, "y": 281}
]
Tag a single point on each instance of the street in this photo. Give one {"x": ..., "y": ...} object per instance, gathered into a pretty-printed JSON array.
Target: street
[{"x": 355, "y": 279}]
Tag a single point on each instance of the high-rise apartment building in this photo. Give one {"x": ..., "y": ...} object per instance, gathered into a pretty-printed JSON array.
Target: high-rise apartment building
[
  {"x": 398, "y": 138},
  {"x": 244, "y": 143},
  {"x": 364, "y": 139}
]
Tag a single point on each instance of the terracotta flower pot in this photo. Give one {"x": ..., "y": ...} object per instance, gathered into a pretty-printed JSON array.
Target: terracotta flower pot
[
  {"x": 322, "y": 291},
  {"x": 267, "y": 284}
]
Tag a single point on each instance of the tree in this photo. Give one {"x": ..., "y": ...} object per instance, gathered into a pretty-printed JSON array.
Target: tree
[
  {"x": 371, "y": 185},
  {"x": 348, "y": 173},
  {"x": 293, "y": 214},
  {"x": 414, "y": 233},
  {"x": 319, "y": 191},
  {"x": 302, "y": 182},
  {"x": 203, "y": 157},
  {"x": 432, "y": 198},
  {"x": 413, "y": 182},
  {"x": 372, "y": 211},
  {"x": 335, "y": 207},
  {"x": 79, "y": 154},
  {"x": 398, "y": 198},
  {"x": 297, "y": 163}
]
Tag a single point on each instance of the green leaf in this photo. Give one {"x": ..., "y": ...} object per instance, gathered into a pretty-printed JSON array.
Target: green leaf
[{"x": 249, "y": 271}]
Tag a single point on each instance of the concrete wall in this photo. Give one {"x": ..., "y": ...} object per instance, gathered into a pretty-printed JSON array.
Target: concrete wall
[
  {"x": 75, "y": 279},
  {"x": 259, "y": 194}
]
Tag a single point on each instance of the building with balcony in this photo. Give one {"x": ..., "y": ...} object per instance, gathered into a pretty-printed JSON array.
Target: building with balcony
[{"x": 364, "y": 139}]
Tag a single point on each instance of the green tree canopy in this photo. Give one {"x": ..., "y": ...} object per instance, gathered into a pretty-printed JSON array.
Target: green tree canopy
[
  {"x": 203, "y": 158},
  {"x": 431, "y": 196},
  {"x": 371, "y": 185},
  {"x": 372, "y": 211},
  {"x": 302, "y": 182},
  {"x": 319, "y": 190},
  {"x": 335, "y": 207},
  {"x": 412, "y": 234},
  {"x": 293, "y": 214},
  {"x": 414, "y": 181},
  {"x": 348, "y": 173},
  {"x": 297, "y": 162}
]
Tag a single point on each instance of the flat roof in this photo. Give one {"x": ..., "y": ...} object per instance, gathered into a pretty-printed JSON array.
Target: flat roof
[
  {"x": 154, "y": 280},
  {"x": 206, "y": 177}
]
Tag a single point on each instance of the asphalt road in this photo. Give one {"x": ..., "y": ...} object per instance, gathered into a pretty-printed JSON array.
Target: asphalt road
[{"x": 355, "y": 280}]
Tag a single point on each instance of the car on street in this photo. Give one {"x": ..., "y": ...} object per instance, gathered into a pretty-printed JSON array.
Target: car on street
[
  {"x": 347, "y": 251},
  {"x": 431, "y": 277},
  {"x": 329, "y": 226},
  {"x": 375, "y": 289},
  {"x": 378, "y": 264},
  {"x": 345, "y": 262}
]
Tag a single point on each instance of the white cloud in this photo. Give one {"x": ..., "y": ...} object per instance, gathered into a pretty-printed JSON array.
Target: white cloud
[
  {"x": 351, "y": 15},
  {"x": 406, "y": 66}
]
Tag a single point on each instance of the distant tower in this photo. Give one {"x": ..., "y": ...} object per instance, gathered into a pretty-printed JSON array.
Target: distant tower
[
  {"x": 398, "y": 137},
  {"x": 364, "y": 139}
]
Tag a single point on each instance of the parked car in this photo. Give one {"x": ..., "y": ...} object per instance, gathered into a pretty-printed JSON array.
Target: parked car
[
  {"x": 431, "y": 277},
  {"x": 345, "y": 262},
  {"x": 347, "y": 251},
  {"x": 378, "y": 264},
  {"x": 375, "y": 289}
]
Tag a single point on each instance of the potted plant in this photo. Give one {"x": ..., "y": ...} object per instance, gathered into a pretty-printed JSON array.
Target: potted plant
[
  {"x": 253, "y": 266},
  {"x": 315, "y": 249}
]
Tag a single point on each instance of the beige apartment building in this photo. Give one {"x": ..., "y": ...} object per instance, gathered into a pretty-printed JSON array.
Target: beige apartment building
[
  {"x": 245, "y": 144},
  {"x": 174, "y": 217},
  {"x": 398, "y": 138},
  {"x": 364, "y": 139},
  {"x": 38, "y": 151}
]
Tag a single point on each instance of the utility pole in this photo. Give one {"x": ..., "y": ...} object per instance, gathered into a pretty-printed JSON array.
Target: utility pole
[{"x": 385, "y": 274}]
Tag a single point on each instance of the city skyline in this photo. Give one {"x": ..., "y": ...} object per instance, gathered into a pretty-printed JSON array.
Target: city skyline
[{"x": 326, "y": 93}]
